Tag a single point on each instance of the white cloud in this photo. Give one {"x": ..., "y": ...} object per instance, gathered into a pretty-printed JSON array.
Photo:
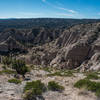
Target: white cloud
[
  {"x": 60, "y": 8},
  {"x": 68, "y": 10},
  {"x": 72, "y": 11}
]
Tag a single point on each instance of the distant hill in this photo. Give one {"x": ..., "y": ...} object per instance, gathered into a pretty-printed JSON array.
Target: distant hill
[{"x": 42, "y": 22}]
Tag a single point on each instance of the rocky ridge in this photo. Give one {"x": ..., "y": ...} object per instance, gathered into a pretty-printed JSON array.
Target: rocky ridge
[
  {"x": 70, "y": 48},
  {"x": 76, "y": 47}
]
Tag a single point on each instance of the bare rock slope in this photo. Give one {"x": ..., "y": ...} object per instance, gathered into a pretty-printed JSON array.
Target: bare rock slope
[
  {"x": 78, "y": 46},
  {"x": 74, "y": 47}
]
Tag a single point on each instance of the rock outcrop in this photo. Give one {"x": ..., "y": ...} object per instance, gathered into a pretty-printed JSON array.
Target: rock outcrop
[{"x": 76, "y": 46}]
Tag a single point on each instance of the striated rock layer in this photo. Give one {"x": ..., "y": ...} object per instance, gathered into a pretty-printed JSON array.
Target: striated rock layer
[
  {"x": 78, "y": 46},
  {"x": 74, "y": 47}
]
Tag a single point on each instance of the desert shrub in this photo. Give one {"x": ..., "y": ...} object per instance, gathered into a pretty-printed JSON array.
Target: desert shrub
[
  {"x": 38, "y": 85},
  {"x": 89, "y": 85},
  {"x": 92, "y": 75},
  {"x": 4, "y": 67},
  {"x": 54, "y": 86},
  {"x": 33, "y": 89},
  {"x": 7, "y": 71},
  {"x": 68, "y": 73},
  {"x": 20, "y": 67},
  {"x": 82, "y": 83},
  {"x": 16, "y": 81},
  {"x": 61, "y": 73},
  {"x": 47, "y": 69},
  {"x": 32, "y": 67},
  {"x": 30, "y": 95},
  {"x": 6, "y": 61},
  {"x": 55, "y": 74}
]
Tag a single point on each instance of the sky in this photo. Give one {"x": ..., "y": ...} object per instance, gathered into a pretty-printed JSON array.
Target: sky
[{"x": 50, "y": 9}]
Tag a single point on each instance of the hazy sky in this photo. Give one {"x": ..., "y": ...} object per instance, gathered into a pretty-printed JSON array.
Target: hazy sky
[{"x": 50, "y": 8}]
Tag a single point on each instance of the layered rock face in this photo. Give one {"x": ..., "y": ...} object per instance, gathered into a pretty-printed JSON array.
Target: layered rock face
[
  {"x": 78, "y": 46},
  {"x": 74, "y": 47},
  {"x": 21, "y": 40}
]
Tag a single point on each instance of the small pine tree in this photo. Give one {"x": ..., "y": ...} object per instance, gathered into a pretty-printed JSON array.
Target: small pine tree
[
  {"x": 6, "y": 61},
  {"x": 20, "y": 67}
]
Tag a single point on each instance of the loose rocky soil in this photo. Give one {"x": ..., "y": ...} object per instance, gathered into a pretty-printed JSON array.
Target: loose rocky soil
[{"x": 11, "y": 91}]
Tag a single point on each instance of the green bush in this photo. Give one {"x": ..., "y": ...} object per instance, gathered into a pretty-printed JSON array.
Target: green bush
[
  {"x": 89, "y": 85},
  {"x": 61, "y": 73},
  {"x": 6, "y": 71},
  {"x": 4, "y": 67},
  {"x": 6, "y": 61},
  {"x": 16, "y": 81},
  {"x": 47, "y": 69},
  {"x": 54, "y": 86},
  {"x": 55, "y": 74},
  {"x": 29, "y": 95},
  {"x": 82, "y": 83},
  {"x": 35, "y": 85},
  {"x": 92, "y": 75},
  {"x": 67, "y": 73},
  {"x": 20, "y": 67},
  {"x": 33, "y": 89}
]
